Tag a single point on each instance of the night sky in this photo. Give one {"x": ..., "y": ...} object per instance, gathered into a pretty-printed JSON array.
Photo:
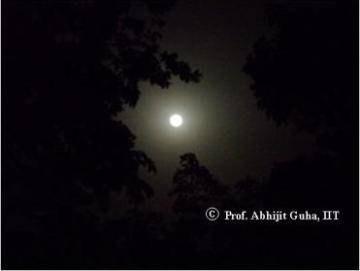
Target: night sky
[
  {"x": 268, "y": 94},
  {"x": 222, "y": 124}
]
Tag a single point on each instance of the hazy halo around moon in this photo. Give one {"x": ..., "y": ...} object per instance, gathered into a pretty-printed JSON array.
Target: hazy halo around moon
[{"x": 176, "y": 120}]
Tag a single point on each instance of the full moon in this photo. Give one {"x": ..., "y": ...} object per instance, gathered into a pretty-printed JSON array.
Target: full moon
[{"x": 176, "y": 120}]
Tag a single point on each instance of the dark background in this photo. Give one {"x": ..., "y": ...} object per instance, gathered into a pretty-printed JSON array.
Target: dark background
[{"x": 93, "y": 175}]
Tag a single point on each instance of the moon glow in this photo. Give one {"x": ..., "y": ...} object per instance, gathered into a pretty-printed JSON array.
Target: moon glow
[{"x": 176, "y": 120}]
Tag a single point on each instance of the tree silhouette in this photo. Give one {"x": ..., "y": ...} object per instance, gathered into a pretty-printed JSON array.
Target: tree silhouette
[
  {"x": 195, "y": 188},
  {"x": 295, "y": 70},
  {"x": 299, "y": 77},
  {"x": 69, "y": 68},
  {"x": 79, "y": 64},
  {"x": 297, "y": 80}
]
